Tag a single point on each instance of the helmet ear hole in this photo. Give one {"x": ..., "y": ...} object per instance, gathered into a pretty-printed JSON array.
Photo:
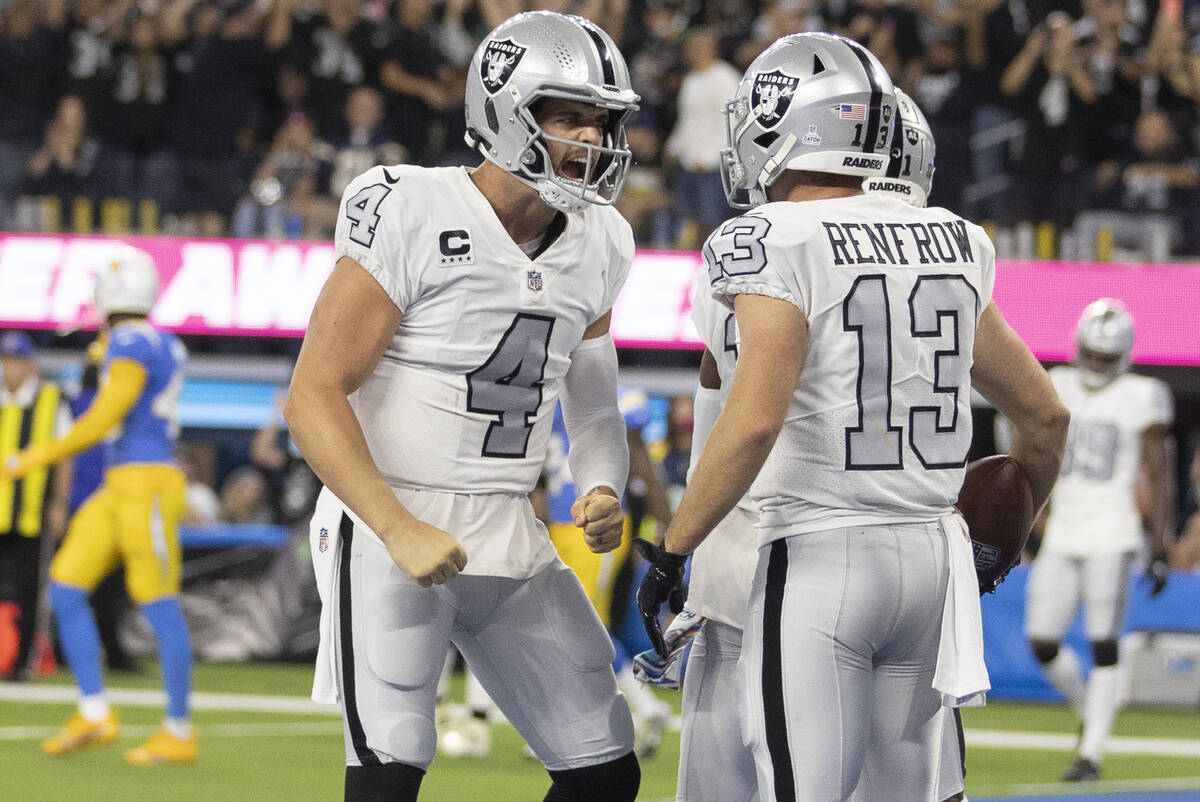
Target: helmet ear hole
[
  {"x": 489, "y": 114},
  {"x": 766, "y": 140}
]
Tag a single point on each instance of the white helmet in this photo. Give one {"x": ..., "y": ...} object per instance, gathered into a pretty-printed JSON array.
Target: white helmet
[
  {"x": 1104, "y": 338},
  {"x": 128, "y": 283},
  {"x": 541, "y": 54},
  {"x": 909, "y": 174},
  {"x": 810, "y": 101}
]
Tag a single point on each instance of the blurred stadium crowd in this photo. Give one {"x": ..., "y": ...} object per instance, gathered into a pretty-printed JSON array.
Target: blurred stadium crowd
[{"x": 1070, "y": 127}]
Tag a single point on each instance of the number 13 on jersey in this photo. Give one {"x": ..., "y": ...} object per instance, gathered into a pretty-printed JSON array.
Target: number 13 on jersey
[{"x": 942, "y": 312}]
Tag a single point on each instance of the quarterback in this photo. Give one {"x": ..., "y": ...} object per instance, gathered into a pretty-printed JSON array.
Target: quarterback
[
  {"x": 1119, "y": 427},
  {"x": 463, "y": 305},
  {"x": 863, "y": 323},
  {"x": 133, "y": 518}
]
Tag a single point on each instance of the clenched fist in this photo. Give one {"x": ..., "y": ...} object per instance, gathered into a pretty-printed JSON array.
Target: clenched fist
[
  {"x": 426, "y": 553},
  {"x": 602, "y": 520}
]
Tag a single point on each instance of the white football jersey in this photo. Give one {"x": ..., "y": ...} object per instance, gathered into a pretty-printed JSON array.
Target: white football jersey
[
  {"x": 723, "y": 565},
  {"x": 880, "y": 421},
  {"x": 463, "y": 398},
  {"x": 1094, "y": 508}
]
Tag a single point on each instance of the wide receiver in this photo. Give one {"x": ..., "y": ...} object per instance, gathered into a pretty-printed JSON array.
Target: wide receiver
[
  {"x": 713, "y": 762},
  {"x": 1093, "y": 535},
  {"x": 464, "y": 303},
  {"x": 863, "y": 323}
]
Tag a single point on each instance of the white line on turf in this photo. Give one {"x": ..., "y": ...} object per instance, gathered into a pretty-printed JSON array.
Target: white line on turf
[
  {"x": 996, "y": 739},
  {"x": 295, "y": 728},
  {"x": 200, "y": 701},
  {"x": 1123, "y": 745},
  {"x": 1089, "y": 790}
]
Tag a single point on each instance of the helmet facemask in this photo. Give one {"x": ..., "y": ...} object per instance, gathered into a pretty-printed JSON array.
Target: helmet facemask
[
  {"x": 537, "y": 56},
  {"x": 1105, "y": 343},
  {"x": 605, "y": 165}
]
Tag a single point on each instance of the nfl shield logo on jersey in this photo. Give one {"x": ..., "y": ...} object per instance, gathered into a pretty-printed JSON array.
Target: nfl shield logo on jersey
[
  {"x": 499, "y": 61},
  {"x": 323, "y": 540},
  {"x": 533, "y": 280},
  {"x": 771, "y": 96}
]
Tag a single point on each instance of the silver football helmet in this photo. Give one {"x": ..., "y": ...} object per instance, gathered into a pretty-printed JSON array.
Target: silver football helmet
[
  {"x": 542, "y": 54},
  {"x": 1104, "y": 338},
  {"x": 810, "y": 101},
  {"x": 909, "y": 175}
]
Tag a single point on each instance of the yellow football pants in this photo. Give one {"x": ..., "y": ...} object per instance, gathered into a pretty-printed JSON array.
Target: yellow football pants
[{"x": 133, "y": 518}]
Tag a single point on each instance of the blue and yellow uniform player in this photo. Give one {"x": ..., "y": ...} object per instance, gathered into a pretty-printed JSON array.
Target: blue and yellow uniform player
[{"x": 133, "y": 518}]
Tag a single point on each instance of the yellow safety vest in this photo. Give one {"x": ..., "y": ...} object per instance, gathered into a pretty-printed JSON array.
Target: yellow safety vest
[{"x": 22, "y": 502}]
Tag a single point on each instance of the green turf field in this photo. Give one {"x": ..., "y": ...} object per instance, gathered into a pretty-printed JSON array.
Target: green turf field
[{"x": 246, "y": 753}]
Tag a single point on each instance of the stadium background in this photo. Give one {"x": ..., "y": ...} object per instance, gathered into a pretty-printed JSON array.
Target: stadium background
[{"x": 219, "y": 134}]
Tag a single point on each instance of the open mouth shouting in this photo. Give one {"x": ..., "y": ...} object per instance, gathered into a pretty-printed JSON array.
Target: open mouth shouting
[{"x": 573, "y": 168}]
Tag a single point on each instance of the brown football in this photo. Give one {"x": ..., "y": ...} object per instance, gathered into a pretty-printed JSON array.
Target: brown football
[{"x": 997, "y": 503}]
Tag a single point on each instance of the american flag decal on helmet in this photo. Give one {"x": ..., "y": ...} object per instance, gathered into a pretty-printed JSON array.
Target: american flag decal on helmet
[{"x": 852, "y": 111}]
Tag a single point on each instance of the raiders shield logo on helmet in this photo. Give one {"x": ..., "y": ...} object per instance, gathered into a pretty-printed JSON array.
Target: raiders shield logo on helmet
[
  {"x": 499, "y": 60},
  {"x": 771, "y": 96}
]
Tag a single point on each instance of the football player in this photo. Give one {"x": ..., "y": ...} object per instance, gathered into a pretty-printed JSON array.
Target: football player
[
  {"x": 711, "y": 767},
  {"x": 465, "y": 302},
  {"x": 1093, "y": 534},
  {"x": 132, "y": 519},
  {"x": 863, "y": 323}
]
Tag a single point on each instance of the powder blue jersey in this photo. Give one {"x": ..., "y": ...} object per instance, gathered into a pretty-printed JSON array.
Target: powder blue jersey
[{"x": 150, "y": 429}]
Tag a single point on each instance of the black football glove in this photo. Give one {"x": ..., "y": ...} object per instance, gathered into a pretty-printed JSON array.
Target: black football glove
[
  {"x": 662, "y": 583},
  {"x": 1157, "y": 573}
]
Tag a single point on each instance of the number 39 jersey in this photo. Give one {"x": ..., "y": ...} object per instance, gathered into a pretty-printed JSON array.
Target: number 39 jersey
[
  {"x": 463, "y": 397},
  {"x": 1094, "y": 508},
  {"x": 880, "y": 420}
]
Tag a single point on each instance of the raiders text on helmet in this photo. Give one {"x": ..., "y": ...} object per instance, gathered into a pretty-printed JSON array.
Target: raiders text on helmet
[
  {"x": 810, "y": 101},
  {"x": 537, "y": 55},
  {"x": 127, "y": 283},
  {"x": 1104, "y": 338},
  {"x": 909, "y": 174}
]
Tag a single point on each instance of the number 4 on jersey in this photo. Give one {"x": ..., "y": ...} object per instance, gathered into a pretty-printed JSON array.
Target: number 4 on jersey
[
  {"x": 509, "y": 385},
  {"x": 363, "y": 212}
]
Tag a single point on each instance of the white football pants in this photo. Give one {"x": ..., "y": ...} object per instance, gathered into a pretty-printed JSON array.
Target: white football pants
[
  {"x": 536, "y": 645},
  {"x": 838, "y": 658}
]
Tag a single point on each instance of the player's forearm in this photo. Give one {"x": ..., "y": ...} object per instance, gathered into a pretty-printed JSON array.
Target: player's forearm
[
  {"x": 1155, "y": 462},
  {"x": 774, "y": 345},
  {"x": 734, "y": 454},
  {"x": 1009, "y": 376},
  {"x": 112, "y": 404},
  {"x": 329, "y": 436},
  {"x": 1039, "y": 450},
  {"x": 599, "y": 451}
]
